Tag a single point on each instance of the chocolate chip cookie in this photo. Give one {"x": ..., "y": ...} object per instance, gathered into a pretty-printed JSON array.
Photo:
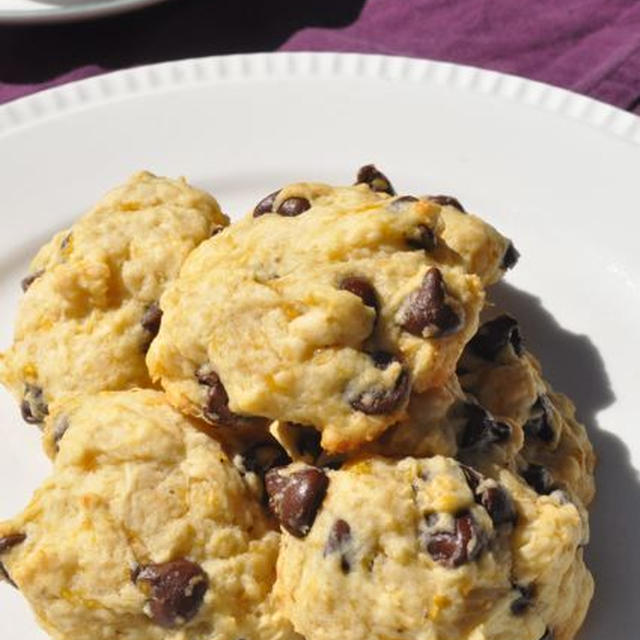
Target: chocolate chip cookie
[
  {"x": 462, "y": 237},
  {"x": 426, "y": 548},
  {"x": 507, "y": 381},
  {"x": 90, "y": 306},
  {"x": 145, "y": 529},
  {"x": 326, "y": 306}
]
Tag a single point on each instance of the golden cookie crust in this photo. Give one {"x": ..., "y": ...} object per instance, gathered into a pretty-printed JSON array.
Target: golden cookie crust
[
  {"x": 409, "y": 549},
  {"x": 134, "y": 485},
  {"x": 88, "y": 312},
  {"x": 264, "y": 305},
  {"x": 511, "y": 386}
]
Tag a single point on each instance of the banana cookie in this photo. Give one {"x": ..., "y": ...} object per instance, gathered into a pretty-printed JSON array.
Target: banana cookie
[
  {"x": 326, "y": 307},
  {"x": 426, "y": 549},
  {"x": 144, "y": 530},
  {"x": 90, "y": 307}
]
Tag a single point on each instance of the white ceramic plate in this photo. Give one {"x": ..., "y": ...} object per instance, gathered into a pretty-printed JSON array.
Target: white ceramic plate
[
  {"x": 557, "y": 172},
  {"x": 48, "y": 11}
]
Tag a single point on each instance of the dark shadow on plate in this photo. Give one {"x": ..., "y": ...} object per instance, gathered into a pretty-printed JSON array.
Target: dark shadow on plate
[
  {"x": 573, "y": 365},
  {"x": 167, "y": 31}
]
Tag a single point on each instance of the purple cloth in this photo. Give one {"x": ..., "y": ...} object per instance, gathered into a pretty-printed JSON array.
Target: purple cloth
[{"x": 589, "y": 46}]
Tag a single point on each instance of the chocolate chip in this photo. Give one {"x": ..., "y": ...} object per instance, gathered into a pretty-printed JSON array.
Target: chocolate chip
[
  {"x": 135, "y": 572},
  {"x": 539, "y": 478},
  {"x": 264, "y": 456},
  {"x": 65, "y": 241},
  {"x": 296, "y": 497},
  {"x": 548, "y": 635},
  {"x": 7, "y": 542},
  {"x": 216, "y": 407},
  {"x": 4, "y": 575},
  {"x": 308, "y": 441},
  {"x": 423, "y": 238},
  {"x": 176, "y": 590},
  {"x": 524, "y": 600},
  {"x": 447, "y": 201},
  {"x": 425, "y": 312},
  {"x": 339, "y": 535},
  {"x": 473, "y": 477},
  {"x": 464, "y": 544},
  {"x": 265, "y": 205},
  {"x": 33, "y": 407},
  {"x": 362, "y": 288},
  {"x": 293, "y": 206},
  {"x": 338, "y": 542},
  {"x": 379, "y": 400},
  {"x": 333, "y": 462},
  {"x": 496, "y": 501},
  {"x": 151, "y": 319},
  {"x": 481, "y": 428},
  {"x": 401, "y": 203},
  {"x": 432, "y": 519},
  {"x": 376, "y": 180},
  {"x": 510, "y": 257},
  {"x": 500, "y": 432},
  {"x": 495, "y": 335},
  {"x": 499, "y": 505},
  {"x": 540, "y": 424},
  {"x": 27, "y": 281},
  {"x": 382, "y": 359}
]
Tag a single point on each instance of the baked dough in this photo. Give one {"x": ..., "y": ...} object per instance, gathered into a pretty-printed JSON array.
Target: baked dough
[
  {"x": 508, "y": 382},
  {"x": 423, "y": 549},
  {"x": 324, "y": 310},
  {"x": 90, "y": 308},
  {"x": 144, "y": 530}
]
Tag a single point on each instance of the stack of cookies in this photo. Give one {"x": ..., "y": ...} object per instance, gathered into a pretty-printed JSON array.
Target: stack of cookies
[{"x": 310, "y": 423}]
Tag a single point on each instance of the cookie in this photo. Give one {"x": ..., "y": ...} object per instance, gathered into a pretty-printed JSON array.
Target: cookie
[
  {"x": 90, "y": 307},
  {"x": 444, "y": 420},
  {"x": 326, "y": 307},
  {"x": 144, "y": 530},
  {"x": 507, "y": 381},
  {"x": 480, "y": 248},
  {"x": 462, "y": 238},
  {"x": 434, "y": 421},
  {"x": 499, "y": 410},
  {"x": 426, "y": 548}
]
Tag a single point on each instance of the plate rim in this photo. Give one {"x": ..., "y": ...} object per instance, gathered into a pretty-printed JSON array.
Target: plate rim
[
  {"x": 189, "y": 72},
  {"x": 163, "y": 78},
  {"x": 86, "y": 11}
]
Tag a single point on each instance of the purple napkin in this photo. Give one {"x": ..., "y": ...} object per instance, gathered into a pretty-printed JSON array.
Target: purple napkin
[
  {"x": 589, "y": 46},
  {"x": 12, "y": 91}
]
